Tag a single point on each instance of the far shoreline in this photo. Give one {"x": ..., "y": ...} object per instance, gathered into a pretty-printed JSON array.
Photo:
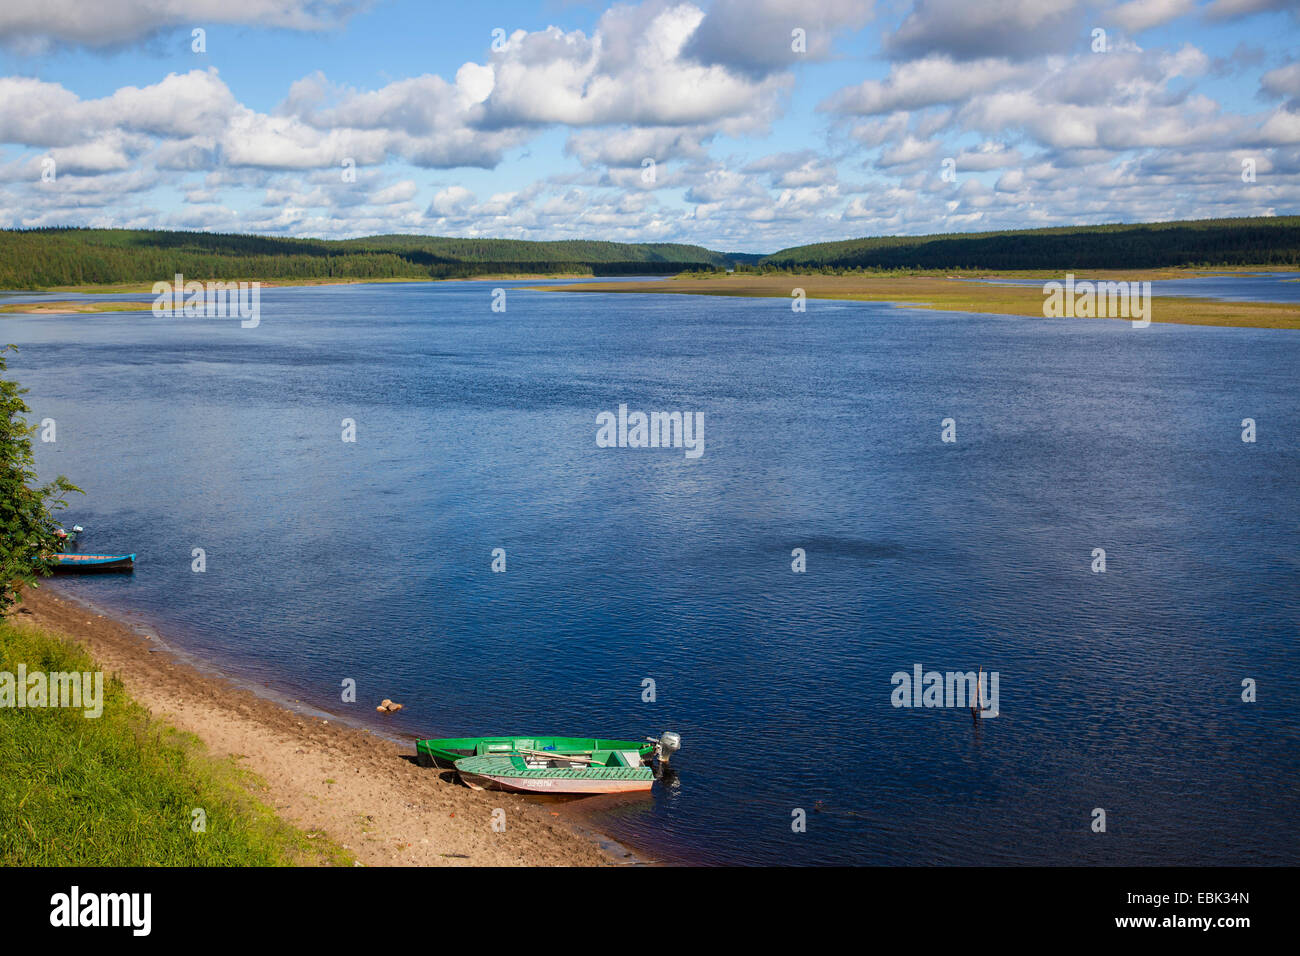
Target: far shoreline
[
  {"x": 91, "y": 307},
  {"x": 146, "y": 288},
  {"x": 966, "y": 293},
  {"x": 1157, "y": 272},
  {"x": 974, "y": 291}
]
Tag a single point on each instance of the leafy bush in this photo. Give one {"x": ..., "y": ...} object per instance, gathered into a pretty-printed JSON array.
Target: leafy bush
[{"x": 26, "y": 509}]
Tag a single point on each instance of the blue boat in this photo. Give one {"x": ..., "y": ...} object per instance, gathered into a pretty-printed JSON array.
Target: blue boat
[{"x": 93, "y": 563}]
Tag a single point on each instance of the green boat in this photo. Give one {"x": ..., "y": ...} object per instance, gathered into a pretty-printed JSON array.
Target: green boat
[
  {"x": 445, "y": 751},
  {"x": 544, "y": 771}
]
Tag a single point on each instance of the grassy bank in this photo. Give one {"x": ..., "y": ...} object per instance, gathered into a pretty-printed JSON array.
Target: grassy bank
[
  {"x": 935, "y": 292},
  {"x": 120, "y": 789}
]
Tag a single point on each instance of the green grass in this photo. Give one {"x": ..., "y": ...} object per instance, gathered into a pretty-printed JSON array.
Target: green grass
[{"x": 118, "y": 790}]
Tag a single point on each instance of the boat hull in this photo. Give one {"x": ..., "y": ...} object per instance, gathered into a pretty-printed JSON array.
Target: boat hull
[
  {"x": 94, "y": 563},
  {"x": 568, "y": 785},
  {"x": 445, "y": 751}
]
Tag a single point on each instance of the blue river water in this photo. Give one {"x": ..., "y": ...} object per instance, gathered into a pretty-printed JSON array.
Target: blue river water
[
  {"x": 1281, "y": 287},
  {"x": 476, "y": 430}
]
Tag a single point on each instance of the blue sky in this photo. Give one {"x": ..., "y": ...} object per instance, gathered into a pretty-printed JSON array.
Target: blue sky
[{"x": 915, "y": 116}]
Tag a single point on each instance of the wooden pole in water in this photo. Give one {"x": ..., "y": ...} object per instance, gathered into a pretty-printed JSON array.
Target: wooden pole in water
[{"x": 979, "y": 702}]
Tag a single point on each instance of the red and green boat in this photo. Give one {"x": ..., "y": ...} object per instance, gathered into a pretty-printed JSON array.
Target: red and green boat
[
  {"x": 445, "y": 751},
  {"x": 603, "y": 771},
  {"x": 566, "y": 765}
]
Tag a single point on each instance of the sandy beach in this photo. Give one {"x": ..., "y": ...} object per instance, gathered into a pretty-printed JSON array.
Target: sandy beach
[{"x": 363, "y": 791}]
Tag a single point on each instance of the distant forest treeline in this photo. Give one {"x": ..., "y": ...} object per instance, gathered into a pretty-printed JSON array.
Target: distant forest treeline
[
  {"x": 39, "y": 258},
  {"x": 1203, "y": 242}
]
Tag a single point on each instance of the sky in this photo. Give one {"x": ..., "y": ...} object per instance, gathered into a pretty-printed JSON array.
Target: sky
[{"x": 741, "y": 125}]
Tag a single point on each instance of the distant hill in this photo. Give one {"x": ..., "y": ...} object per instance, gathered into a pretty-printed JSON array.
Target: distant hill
[
  {"x": 39, "y": 258},
  {"x": 1272, "y": 240}
]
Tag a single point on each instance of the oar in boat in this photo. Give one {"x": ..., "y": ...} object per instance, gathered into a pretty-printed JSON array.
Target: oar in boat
[{"x": 557, "y": 755}]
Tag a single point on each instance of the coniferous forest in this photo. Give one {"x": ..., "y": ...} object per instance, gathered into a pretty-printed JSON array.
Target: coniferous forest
[
  {"x": 42, "y": 258},
  {"x": 50, "y": 257},
  {"x": 1267, "y": 241}
]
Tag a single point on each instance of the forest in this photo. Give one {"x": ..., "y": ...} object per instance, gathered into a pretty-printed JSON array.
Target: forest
[
  {"x": 44, "y": 258},
  {"x": 1267, "y": 241},
  {"x": 54, "y": 257}
]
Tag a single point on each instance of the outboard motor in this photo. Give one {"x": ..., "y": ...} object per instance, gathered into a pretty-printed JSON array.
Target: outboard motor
[{"x": 667, "y": 745}]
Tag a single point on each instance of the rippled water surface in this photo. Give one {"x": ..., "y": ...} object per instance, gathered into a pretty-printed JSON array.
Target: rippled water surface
[
  {"x": 1245, "y": 287},
  {"x": 476, "y": 430}
]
